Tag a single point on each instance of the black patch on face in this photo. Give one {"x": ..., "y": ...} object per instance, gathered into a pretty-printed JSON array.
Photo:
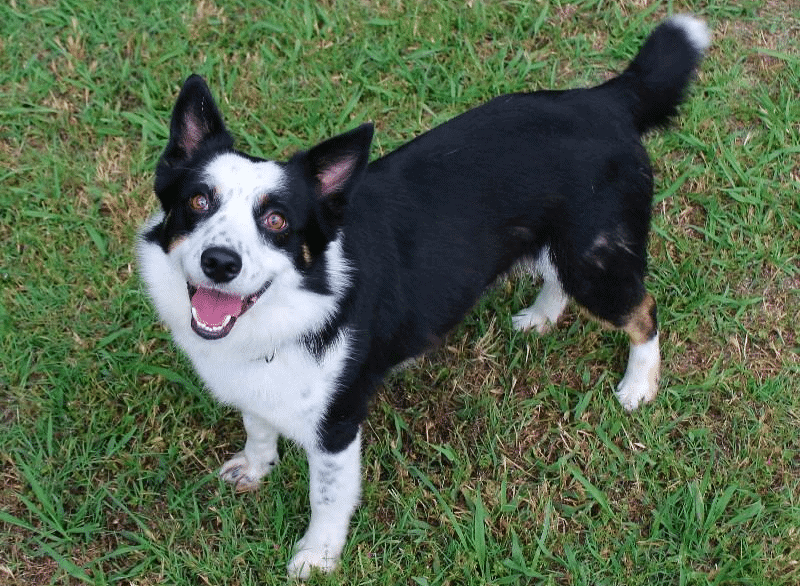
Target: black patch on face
[
  {"x": 305, "y": 240},
  {"x": 153, "y": 235},
  {"x": 180, "y": 218}
]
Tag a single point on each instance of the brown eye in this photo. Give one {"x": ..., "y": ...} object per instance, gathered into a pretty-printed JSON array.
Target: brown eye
[
  {"x": 200, "y": 203},
  {"x": 274, "y": 222}
]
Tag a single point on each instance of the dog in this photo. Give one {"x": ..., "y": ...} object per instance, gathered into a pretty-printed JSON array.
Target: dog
[{"x": 295, "y": 286}]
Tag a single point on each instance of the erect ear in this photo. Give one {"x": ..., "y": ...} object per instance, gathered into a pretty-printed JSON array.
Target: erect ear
[
  {"x": 195, "y": 120},
  {"x": 336, "y": 164}
]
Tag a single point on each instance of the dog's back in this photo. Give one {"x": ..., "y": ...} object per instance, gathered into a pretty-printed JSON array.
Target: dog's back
[{"x": 436, "y": 221}]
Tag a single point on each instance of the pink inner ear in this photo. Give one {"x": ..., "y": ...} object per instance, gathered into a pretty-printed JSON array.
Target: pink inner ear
[
  {"x": 334, "y": 176},
  {"x": 193, "y": 134}
]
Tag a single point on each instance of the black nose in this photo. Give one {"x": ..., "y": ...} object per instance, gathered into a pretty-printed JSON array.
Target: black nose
[{"x": 220, "y": 264}]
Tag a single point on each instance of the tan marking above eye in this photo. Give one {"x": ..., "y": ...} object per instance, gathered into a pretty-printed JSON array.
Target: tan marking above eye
[{"x": 175, "y": 242}]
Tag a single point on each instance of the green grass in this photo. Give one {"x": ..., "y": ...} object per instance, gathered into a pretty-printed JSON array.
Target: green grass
[{"x": 501, "y": 458}]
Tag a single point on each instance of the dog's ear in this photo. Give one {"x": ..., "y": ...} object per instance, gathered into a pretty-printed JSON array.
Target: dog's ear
[
  {"x": 336, "y": 164},
  {"x": 195, "y": 120}
]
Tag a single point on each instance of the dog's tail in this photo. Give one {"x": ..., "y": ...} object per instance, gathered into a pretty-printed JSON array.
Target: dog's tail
[{"x": 655, "y": 82}]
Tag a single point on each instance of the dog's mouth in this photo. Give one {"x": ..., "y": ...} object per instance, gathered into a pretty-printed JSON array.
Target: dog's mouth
[{"x": 214, "y": 312}]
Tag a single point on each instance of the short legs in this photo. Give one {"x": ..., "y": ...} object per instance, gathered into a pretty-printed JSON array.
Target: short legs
[
  {"x": 550, "y": 302},
  {"x": 335, "y": 488},
  {"x": 640, "y": 382}
]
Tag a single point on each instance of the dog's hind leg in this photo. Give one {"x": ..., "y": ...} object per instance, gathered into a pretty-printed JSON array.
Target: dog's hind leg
[
  {"x": 260, "y": 455},
  {"x": 550, "y": 302},
  {"x": 607, "y": 279},
  {"x": 640, "y": 383}
]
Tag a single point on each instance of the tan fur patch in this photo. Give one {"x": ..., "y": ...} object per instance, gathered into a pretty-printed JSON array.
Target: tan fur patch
[
  {"x": 307, "y": 254},
  {"x": 175, "y": 242},
  {"x": 641, "y": 325}
]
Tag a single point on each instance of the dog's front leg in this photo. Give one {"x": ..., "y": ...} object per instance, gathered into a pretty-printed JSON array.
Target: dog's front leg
[
  {"x": 334, "y": 491},
  {"x": 259, "y": 457}
]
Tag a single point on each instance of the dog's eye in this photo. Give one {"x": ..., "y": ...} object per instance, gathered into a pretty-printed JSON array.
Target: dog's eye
[
  {"x": 274, "y": 222},
  {"x": 200, "y": 203}
]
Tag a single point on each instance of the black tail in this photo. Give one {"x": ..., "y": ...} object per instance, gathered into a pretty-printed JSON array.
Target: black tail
[{"x": 655, "y": 82}]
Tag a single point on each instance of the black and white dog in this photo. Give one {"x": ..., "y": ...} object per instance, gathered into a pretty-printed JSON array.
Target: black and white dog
[{"x": 295, "y": 286}]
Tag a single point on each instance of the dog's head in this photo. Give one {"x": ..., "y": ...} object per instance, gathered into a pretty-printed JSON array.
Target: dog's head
[{"x": 238, "y": 227}]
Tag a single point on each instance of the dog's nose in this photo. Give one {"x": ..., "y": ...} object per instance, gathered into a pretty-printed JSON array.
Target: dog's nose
[{"x": 220, "y": 264}]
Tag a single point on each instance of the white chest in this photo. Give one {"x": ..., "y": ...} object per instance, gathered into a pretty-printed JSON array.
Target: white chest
[{"x": 289, "y": 389}]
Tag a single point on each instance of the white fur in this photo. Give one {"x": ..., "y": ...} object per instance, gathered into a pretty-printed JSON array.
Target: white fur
[
  {"x": 260, "y": 367},
  {"x": 550, "y": 302},
  {"x": 239, "y": 184},
  {"x": 695, "y": 29},
  {"x": 335, "y": 488},
  {"x": 283, "y": 313},
  {"x": 640, "y": 383}
]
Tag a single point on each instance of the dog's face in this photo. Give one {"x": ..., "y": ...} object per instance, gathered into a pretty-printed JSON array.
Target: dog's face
[{"x": 239, "y": 228}]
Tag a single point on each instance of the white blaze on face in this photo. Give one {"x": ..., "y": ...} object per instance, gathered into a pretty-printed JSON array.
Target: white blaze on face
[
  {"x": 239, "y": 184},
  {"x": 239, "y": 176}
]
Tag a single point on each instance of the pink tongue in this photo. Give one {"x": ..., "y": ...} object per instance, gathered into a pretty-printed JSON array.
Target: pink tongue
[{"x": 214, "y": 306}]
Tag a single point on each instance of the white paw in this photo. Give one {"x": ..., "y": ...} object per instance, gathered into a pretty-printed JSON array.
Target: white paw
[
  {"x": 309, "y": 557},
  {"x": 640, "y": 383},
  {"x": 635, "y": 391},
  {"x": 549, "y": 304},
  {"x": 244, "y": 474},
  {"x": 532, "y": 318}
]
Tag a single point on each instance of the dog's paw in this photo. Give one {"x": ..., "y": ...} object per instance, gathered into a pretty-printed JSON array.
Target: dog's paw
[
  {"x": 546, "y": 309},
  {"x": 244, "y": 474},
  {"x": 308, "y": 558},
  {"x": 532, "y": 319},
  {"x": 640, "y": 383},
  {"x": 637, "y": 388}
]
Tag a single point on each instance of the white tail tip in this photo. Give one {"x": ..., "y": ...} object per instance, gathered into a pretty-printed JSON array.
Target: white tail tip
[{"x": 696, "y": 30}]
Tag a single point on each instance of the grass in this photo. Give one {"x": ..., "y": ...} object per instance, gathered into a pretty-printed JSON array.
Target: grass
[{"x": 501, "y": 458}]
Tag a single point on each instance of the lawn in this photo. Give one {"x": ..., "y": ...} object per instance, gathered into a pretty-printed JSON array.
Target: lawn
[{"x": 501, "y": 458}]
